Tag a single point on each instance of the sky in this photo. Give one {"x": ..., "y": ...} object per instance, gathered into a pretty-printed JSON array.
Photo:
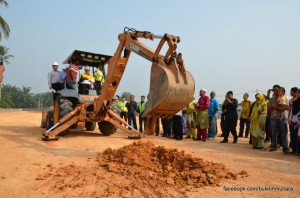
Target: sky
[{"x": 238, "y": 45}]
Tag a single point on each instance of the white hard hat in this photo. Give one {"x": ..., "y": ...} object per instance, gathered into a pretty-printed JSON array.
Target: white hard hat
[
  {"x": 86, "y": 68},
  {"x": 64, "y": 67},
  {"x": 55, "y": 63},
  {"x": 203, "y": 90}
]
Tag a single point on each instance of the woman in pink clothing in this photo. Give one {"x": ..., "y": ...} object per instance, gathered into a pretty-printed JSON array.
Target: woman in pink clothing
[{"x": 202, "y": 116}]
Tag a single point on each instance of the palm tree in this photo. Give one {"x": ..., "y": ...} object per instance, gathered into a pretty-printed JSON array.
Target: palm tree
[
  {"x": 4, "y": 27},
  {"x": 4, "y": 56}
]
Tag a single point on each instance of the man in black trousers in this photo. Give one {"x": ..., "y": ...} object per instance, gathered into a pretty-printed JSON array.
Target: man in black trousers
[
  {"x": 132, "y": 108},
  {"x": 177, "y": 126},
  {"x": 231, "y": 117}
]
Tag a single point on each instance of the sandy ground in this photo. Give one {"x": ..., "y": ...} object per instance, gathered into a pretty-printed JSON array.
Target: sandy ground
[{"x": 23, "y": 157}]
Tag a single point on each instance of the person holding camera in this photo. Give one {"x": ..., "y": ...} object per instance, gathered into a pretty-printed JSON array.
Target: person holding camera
[{"x": 231, "y": 117}]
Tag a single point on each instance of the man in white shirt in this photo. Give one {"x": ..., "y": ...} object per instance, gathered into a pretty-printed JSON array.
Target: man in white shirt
[{"x": 54, "y": 80}]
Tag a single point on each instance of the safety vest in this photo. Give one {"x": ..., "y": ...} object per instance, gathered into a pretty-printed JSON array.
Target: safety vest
[
  {"x": 99, "y": 76},
  {"x": 88, "y": 76},
  {"x": 123, "y": 106},
  {"x": 141, "y": 107}
]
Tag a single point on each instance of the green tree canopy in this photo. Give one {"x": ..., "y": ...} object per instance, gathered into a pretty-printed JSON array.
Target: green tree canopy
[
  {"x": 126, "y": 95},
  {"x": 4, "y": 55},
  {"x": 4, "y": 27},
  {"x": 14, "y": 97}
]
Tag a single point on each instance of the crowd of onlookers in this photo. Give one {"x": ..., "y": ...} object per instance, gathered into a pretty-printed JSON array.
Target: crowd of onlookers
[{"x": 266, "y": 120}]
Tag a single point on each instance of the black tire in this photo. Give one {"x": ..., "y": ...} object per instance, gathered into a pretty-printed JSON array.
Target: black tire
[
  {"x": 65, "y": 107},
  {"x": 106, "y": 128},
  {"x": 49, "y": 120},
  {"x": 90, "y": 126}
]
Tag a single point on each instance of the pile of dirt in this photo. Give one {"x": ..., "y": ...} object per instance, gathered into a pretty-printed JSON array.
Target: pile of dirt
[
  {"x": 139, "y": 169},
  {"x": 151, "y": 166}
]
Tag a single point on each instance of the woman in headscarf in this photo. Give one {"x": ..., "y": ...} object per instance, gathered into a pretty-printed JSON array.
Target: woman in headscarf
[
  {"x": 258, "y": 121},
  {"x": 191, "y": 119}
]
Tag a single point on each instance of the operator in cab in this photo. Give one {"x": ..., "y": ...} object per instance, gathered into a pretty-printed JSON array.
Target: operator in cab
[{"x": 86, "y": 80}]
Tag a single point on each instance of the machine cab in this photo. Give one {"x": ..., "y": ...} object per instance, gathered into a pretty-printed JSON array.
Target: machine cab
[{"x": 89, "y": 78}]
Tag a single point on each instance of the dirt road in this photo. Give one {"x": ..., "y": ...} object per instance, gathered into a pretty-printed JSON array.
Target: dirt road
[{"x": 24, "y": 157}]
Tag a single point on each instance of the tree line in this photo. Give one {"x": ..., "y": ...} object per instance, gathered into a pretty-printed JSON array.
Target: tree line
[{"x": 15, "y": 97}]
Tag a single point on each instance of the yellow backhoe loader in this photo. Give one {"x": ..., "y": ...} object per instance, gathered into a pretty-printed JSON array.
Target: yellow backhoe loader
[{"x": 171, "y": 88}]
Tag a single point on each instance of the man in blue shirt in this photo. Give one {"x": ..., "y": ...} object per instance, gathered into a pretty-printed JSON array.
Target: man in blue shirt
[{"x": 213, "y": 115}]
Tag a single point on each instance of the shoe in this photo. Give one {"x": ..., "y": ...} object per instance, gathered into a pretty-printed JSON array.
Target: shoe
[
  {"x": 223, "y": 141},
  {"x": 272, "y": 149},
  {"x": 285, "y": 152},
  {"x": 211, "y": 138},
  {"x": 193, "y": 138},
  {"x": 203, "y": 140},
  {"x": 246, "y": 136},
  {"x": 197, "y": 139},
  {"x": 234, "y": 141},
  {"x": 188, "y": 137},
  {"x": 240, "y": 135}
]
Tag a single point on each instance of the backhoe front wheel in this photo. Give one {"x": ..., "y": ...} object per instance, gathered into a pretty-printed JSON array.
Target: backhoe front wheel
[
  {"x": 90, "y": 126},
  {"x": 107, "y": 128}
]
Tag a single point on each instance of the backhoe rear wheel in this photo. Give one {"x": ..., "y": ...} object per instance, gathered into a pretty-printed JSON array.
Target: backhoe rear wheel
[
  {"x": 65, "y": 107},
  {"x": 49, "y": 120},
  {"x": 90, "y": 126},
  {"x": 106, "y": 128}
]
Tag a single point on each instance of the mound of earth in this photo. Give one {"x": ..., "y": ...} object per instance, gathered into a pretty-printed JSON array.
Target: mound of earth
[{"x": 139, "y": 169}]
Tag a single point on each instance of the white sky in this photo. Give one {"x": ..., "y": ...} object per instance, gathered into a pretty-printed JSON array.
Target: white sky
[{"x": 238, "y": 45}]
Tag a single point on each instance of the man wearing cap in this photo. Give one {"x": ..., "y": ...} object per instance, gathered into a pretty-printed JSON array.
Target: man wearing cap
[
  {"x": 54, "y": 80},
  {"x": 86, "y": 81},
  {"x": 87, "y": 75},
  {"x": 202, "y": 116}
]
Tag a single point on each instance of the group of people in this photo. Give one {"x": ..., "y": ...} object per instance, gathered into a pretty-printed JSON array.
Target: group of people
[
  {"x": 265, "y": 120},
  {"x": 269, "y": 118},
  {"x": 58, "y": 80},
  {"x": 128, "y": 110}
]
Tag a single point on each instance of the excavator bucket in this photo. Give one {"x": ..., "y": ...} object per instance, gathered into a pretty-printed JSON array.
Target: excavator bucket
[{"x": 169, "y": 93}]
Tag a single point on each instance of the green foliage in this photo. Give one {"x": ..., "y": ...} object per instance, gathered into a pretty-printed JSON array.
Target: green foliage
[
  {"x": 126, "y": 94},
  {"x": 14, "y": 97},
  {"x": 4, "y": 27},
  {"x": 4, "y": 55}
]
